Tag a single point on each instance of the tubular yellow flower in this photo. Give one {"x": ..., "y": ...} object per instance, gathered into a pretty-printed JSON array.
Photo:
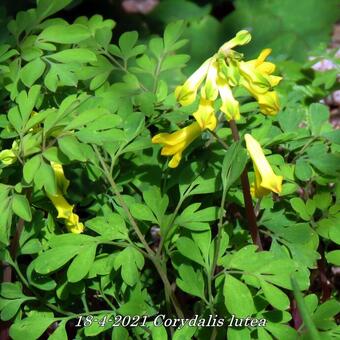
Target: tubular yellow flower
[
  {"x": 230, "y": 73},
  {"x": 205, "y": 115},
  {"x": 73, "y": 224},
  {"x": 8, "y": 156},
  {"x": 176, "y": 142},
  {"x": 186, "y": 93},
  {"x": 269, "y": 103},
  {"x": 230, "y": 106},
  {"x": 62, "y": 182},
  {"x": 257, "y": 79},
  {"x": 210, "y": 90},
  {"x": 265, "y": 178},
  {"x": 242, "y": 37},
  {"x": 65, "y": 210}
]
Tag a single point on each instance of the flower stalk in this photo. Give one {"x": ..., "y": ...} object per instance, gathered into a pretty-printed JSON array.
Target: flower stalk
[{"x": 250, "y": 212}]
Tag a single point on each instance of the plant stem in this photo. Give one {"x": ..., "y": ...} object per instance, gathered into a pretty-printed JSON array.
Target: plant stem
[
  {"x": 254, "y": 231},
  {"x": 225, "y": 146},
  {"x": 325, "y": 284},
  {"x": 153, "y": 257}
]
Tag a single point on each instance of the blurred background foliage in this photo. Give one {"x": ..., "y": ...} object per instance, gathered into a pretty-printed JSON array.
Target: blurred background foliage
[{"x": 291, "y": 28}]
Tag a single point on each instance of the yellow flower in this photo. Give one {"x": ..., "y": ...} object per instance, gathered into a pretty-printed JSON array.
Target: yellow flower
[
  {"x": 73, "y": 224},
  {"x": 65, "y": 210},
  {"x": 210, "y": 90},
  {"x": 205, "y": 115},
  {"x": 242, "y": 37},
  {"x": 265, "y": 178},
  {"x": 175, "y": 143},
  {"x": 186, "y": 93},
  {"x": 9, "y": 156},
  {"x": 62, "y": 182},
  {"x": 269, "y": 103},
  {"x": 257, "y": 78},
  {"x": 230, "y": 106}
]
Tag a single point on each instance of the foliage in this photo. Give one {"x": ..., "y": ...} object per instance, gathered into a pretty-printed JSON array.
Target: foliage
[{"x": 157, "y": 240}]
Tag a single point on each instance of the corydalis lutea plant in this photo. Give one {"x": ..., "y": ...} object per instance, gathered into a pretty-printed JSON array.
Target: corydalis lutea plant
[
  {"x": 153, "y": 240},
  {"x": 217, "y": 77}
]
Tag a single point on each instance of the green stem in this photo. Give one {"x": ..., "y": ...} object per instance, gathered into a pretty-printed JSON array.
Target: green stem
[
  {"x": 299, "y": 153},
  {"x": 104, "y": 297},
  {"x": 166, "y": 232},
  {"x": 153, "y": 257},
  {"x": 83, "y": 300},
  {"x": 225, "y": 146}
]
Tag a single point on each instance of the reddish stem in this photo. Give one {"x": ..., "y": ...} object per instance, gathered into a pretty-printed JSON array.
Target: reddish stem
[{"x": 254, "y": 231}]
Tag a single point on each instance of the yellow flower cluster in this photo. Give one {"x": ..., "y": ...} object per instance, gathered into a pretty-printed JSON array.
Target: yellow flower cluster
[
  {"x": 216, "y": 78},
  {"x": 65, "y": 210}
]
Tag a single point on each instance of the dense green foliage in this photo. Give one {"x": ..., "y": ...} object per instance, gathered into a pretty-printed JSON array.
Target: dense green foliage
[{"x": 154, "y": 235}]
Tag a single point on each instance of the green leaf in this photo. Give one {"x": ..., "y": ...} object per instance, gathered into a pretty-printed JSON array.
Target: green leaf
[
  {"x": 120, "y": 333},
  {"x": 70, "y": 146},
  {"x": 189, "y": 249},
  {"x": 322, "y": 200},
  {"x": 172, "y": 33},
  {"x": 60, "y": 332},
  {"x": 325, "y": 314},
  {"x": 82, "y": 263},
  {"x": 156, "y": 202},
  {"x": 318, "y": 116},
  {"x": 74, "y": 55},
  {"x": 21, "y": 207},
  {"x": 174, "y": 61},
  {"x": 53, "y": 259},
  {"x": 32, "y": 71},
  {"x": 263, "y": 334},
  {"x": 45, "y": 177},
  {"x": 31, "y": 327},
  {"x": 111, "y": 226},
  {"x": 158, "y": 332},
  {"x": 333, "y": 136},
  {"x": 238, "y": 298},
  {"x": 142, "y": 212},
  {"x": 146, "y": 64},
  {"x": 275, "y": 296},
  {"x": 303, "y": 170},
  {"x": 239, "y": 334},
  {"x": 130, "y": 261},
  {"x": 193, "y": 219},
  {"x": 27, "y": 101},
  {"x": 126, "y": 42},
  {"x": 333, "y": 257},
  {"x": 234, "y": 161},
  {"x": 190, "y": 281},
  {"x": 322, "y": 160},
  {"x": 11, "y": 290},
  {"x": 99, "y": 326},
  {"x": 33, "y": 246},
  {"x": 46, "y": 8},
  {"x": 30, "y": 168},
  {"x": 88, "y": 116},
  {"x": 11, "y": 308},
  {"x": 65, "y": 34},
  {"x": 299, "y": 206},
  {"x": 281, "y": 331},
  {"x": 185, "y": 333}
]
